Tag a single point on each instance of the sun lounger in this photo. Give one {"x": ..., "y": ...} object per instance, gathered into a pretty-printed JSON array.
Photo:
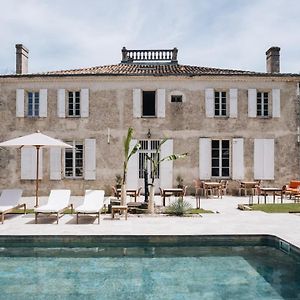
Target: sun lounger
[
  {"x": 9, "y": 200},
  {"x": 58, "y": 202},
  {"x": 92, "y": 204}
]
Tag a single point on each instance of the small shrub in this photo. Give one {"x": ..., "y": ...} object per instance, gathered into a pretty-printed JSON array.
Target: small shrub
[{"x": 179, "y": 207}]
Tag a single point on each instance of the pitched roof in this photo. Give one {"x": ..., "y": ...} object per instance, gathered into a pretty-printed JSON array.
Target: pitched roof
[
  {"x": 158, "y": 69},
  {"x": 150, "y": 69}
]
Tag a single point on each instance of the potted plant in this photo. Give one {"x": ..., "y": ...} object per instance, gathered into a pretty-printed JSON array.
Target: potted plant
[
  {"x": 155, "y": 162},
  {"x": 179, "y": 181},
  {"x": 127, "y": 155}
]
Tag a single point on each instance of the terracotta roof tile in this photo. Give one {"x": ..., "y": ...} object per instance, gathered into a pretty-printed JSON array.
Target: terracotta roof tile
[{"x": 150, "y": 69}]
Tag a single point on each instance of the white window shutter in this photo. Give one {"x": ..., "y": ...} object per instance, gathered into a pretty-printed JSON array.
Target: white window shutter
[
  {"x": 90, "y": 159},
  {"x": 166, "y": 167},
  {"x": 61, "y": 103},
  {"x": 238, "y": 159},
  {"x": 252, "y": 103},
  {"x": 133, "y": 168},
  {"x": 43, "y": 103},
  {"x": 205, "y": 158},
  {"x": 209, "y": 102},
  {"x": 137, "y": 103},
  {"x": 28, "y": 163},
  {"x": 84, "y": 103},
  {"x": 258, "y": 159},
  {"x": 233, "y": 104},
  {"x": 55, "y": 163},
  {"x": 20, "y": 96},
  {"x": 264, "y": 159},
  {"x": 269, "y": 159},
  {"x": 161, "y": 103},
  {"x": 276, "y": 103}
]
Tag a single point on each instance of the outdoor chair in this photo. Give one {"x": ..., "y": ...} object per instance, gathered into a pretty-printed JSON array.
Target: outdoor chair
[
  {"x": 199, "y": 190},
  {"x": 9, "y": 200},
  {"x": 93, "y": 204},
  {"x": 198, "y": 185},
  {"x": 58, "y": 202},
  {"x": 115, "y": 192},
  {"x": 166, "y": 194},
  {"x": 224, "y": 186}
]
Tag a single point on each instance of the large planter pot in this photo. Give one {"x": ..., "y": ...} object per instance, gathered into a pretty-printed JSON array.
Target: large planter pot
[
  {"x": 123, "y": 194},
  {"x": 151, "y": 200}
]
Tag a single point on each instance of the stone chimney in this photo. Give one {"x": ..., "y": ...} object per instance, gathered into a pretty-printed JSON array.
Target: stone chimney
[
  {"x": 21, "y": 59},
  {"x": 273, "y": 60}
]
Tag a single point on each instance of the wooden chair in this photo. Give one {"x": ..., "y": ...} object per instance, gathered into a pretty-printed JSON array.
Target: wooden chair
[
  {"x": 184, "y": 190},
  {"x": 114, "y": 192},
  {"x": 198, "y": 185},
  {"x": 223, "y": 187}
]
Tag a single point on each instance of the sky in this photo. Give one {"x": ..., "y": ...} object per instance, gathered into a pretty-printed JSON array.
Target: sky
[{"x": 228, "y": 34}]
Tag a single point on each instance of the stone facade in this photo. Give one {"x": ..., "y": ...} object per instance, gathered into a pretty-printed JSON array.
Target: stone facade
[{"x": 111, "y": 110}]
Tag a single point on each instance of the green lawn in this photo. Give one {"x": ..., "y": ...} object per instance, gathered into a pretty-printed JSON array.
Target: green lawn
[
  {"x": 277, "y": 208},
  {"x": 199, "y": 211}
]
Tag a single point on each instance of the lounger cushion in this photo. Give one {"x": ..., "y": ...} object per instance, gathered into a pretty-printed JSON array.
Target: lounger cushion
[
  {"x": 10, "y": 197},
  {"x": 4, "y": 208},
  {"x": 58, "y": 200},
  {"x": 92, "y": 203}
]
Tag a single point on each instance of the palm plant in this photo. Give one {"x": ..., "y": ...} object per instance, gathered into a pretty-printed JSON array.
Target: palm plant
[
  {"x": 155, "y": 162},
  {"x": 127, "y": 155}
]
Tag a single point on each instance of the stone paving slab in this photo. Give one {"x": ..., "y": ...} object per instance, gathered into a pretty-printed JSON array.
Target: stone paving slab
[{"x": 228, "y": 220}]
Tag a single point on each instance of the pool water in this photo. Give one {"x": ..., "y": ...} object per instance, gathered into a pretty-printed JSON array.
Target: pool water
[{"x": 244, "y": 272}]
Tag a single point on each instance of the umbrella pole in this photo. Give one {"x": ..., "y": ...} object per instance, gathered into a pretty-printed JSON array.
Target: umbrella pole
[{"x": 37, "y": 177}]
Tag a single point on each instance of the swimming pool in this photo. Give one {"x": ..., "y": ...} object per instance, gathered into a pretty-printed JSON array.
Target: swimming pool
[{"x": 148, "y": 267}]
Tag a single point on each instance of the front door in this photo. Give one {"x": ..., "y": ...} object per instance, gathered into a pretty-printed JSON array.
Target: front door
[{"x": 148, "y": 147}]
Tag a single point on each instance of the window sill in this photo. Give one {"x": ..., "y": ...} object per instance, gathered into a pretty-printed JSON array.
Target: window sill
[
  {"x": 221, "y": 117},
  {"x": 148, "y": 117},
  {"x": 264, "y": 117}
]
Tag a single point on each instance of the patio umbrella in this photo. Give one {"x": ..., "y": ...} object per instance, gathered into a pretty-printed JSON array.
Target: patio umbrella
[{"x": 37, "y": 140}]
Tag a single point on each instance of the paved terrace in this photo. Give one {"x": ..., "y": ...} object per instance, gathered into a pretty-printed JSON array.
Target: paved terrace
[{"x": 227, "y": 219}]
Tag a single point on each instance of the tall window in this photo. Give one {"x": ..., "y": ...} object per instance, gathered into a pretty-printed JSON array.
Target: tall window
[
  {"x": 149, "y": 109},
  {"x": 220, "y": 158},
  {"x": 220, "y": 104},
  {"x": 74, "y": 104},
  {"x": 262, "y": 104},
  {"x": 147, "y": 147},
  {"x": 33, "y": 104},
  {"x": 74, "y": 160}
]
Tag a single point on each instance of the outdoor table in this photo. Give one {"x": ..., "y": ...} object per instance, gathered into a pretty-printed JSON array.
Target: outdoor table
[
  {"x": 265, "y": 191},
  {"x": 212, "y": 185},
  {"x": 120, "y": 209},
  {"x": 248, "y": 185},
  {"x": 171, "y": 191},
  {"x": 129, "y": 192}
]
